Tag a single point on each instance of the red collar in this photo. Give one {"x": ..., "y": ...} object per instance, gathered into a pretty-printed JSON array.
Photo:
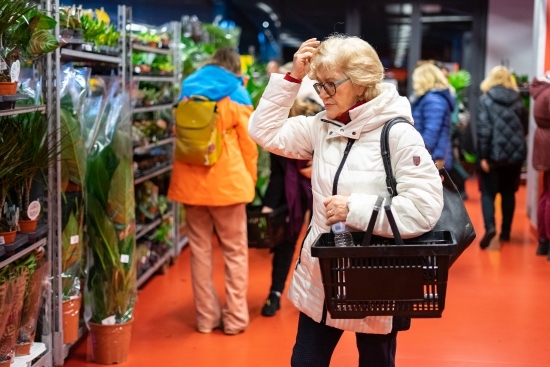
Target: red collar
[{"x": 344, "y": 117}]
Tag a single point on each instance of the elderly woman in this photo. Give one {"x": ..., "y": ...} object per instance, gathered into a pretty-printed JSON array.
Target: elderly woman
[{"x": 347, "y": 178}]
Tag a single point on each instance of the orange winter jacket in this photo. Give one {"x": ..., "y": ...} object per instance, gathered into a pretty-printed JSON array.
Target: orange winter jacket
[{"x": 232, "y": 179}]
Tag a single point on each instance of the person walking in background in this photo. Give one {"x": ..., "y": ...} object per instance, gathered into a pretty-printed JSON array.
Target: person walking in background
[
  {"x": 431, "y": 110},
  {"x": 290, "y": 185},
  {"x": 347, "y": 178},
  {"x": 501, "y": 128},
  {"x": 215, "y": 197},
  {"x": 540, "y": 91}
]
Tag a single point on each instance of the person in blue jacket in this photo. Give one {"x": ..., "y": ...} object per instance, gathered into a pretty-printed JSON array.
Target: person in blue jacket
[{"x": 431, "y": 109}]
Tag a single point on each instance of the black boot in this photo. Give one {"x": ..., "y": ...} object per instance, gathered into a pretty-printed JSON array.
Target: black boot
[
  {"x": 486, "y": 240},
  {"x": 543, "y": 248},
  {"x": 272, "y": 305}
]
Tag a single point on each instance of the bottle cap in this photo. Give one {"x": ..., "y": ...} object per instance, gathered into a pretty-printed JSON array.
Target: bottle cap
[{"x": 339, "y": 227}]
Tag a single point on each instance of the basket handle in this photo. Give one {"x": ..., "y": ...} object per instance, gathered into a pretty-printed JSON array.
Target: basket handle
[
  {"x": 393, "y": 225},
  {"x": 372, "y": 222}
]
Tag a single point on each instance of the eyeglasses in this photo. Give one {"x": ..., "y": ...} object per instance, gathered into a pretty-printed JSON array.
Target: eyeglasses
[{"x": 329, "y": 87}]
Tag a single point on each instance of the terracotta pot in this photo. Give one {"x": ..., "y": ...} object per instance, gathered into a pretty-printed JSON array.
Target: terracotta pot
[
  {"x": 8, "y": 88},
  {"x": 23, "y": 349},
  {"x": 110, "y": 343},
  {"x": 9, "y": 237},
  {"x": 27, "y": 226},
  {"x": 71, "y": 313},
  {"x": 6, "y": 363}
]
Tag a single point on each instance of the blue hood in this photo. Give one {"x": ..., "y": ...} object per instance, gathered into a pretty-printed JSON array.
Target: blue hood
[
  {"x": 215, "y": 83},
  {"x": 445, "y": 93}
]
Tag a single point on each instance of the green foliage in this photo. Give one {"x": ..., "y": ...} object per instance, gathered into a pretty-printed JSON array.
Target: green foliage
[
  {"x": 460, "y": 80},
  {"x": 98, "y": 32}
]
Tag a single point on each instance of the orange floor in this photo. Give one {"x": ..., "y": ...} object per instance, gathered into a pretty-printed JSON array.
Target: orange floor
[{"x": 497, "y": 315}]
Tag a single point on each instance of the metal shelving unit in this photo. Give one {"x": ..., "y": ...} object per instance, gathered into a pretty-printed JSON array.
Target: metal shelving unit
[
  {"x": 64, "y": 55},
  {"x": 174, "y": 79},
  {"x": 20, "y": 110}
]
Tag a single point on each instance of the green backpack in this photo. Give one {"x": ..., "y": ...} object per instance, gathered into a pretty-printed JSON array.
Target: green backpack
[{"x": 199, "y": 139}]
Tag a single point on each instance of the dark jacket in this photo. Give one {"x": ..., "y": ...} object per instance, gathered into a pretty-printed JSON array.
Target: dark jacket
[
  {"x": 540, "y": 91},
  {"x": 432, "y": 118},
  {"x": 501, "y": 127}
]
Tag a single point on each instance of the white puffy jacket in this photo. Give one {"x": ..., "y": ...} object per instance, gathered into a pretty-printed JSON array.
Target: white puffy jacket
[{"x": 416, "y": 209}]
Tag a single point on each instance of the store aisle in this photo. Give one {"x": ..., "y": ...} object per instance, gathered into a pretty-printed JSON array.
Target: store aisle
[{"x": 497, "y": 314}]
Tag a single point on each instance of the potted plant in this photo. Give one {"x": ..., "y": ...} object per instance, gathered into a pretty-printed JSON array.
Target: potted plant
[
  {"x": 110, "y": 218},
  {"x": 35, "y": 262},
  {"x": 10, "y": 164},
  {"x": 37, "y": 152},
  {"x": 24, "y": 33}
]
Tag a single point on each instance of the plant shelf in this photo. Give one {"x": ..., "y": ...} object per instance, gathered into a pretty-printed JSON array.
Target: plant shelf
[
  {"x": 25, "y": 361},
  {"x": 162, "y": 51},
  {"x": 153, "y": 108},
  {"x": 153, "y": 269},
  {"x": 183, "y": 241},
  {"x": 144, "y": 148},
  {"x": 89, "y": 56},
  {"x": 146, "y": 228},
  {"x": 23, "y": 252},
  {"x": 154, "y": 173},
  {"x": 152, "y": 78},
  {"x": 21, "y": 110}
]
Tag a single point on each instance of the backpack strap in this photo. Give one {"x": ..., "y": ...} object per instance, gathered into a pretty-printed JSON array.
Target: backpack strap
[{"x": 391, "y": 182}]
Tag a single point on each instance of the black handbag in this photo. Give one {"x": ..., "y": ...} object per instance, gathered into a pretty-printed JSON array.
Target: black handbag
[{"x": 454, "y": 216}]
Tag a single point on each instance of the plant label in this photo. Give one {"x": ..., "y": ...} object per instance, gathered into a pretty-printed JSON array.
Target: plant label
[
  {"x": 124, "y": 258},
  {"x": 74, "y": 240},
  {"x": 2, "y": 240},
  {"x": 3, "y": 64},
  {"x": 109, "y": 320},
  {"x": 34, "y": 210}
]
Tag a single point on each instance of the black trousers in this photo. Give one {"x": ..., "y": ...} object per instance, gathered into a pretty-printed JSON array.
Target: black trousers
[
  {"x": 282, "y": 259},
  {"x": 316, "y": 342},
  {"x": 503, "y": 180}
]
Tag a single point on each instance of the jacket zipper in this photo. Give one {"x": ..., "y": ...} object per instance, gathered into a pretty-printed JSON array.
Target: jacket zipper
[
  {"x": 302, "y": 247},
  {"x": 335, "y": 192}
]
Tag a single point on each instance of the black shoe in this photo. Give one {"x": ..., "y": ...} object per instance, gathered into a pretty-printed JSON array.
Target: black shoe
[
  {"x": 486, "y": 240},
  {"x": 504, "y": 237},
  {"x": 272, "y": 304},
  {"x": 543, "y": 248}
]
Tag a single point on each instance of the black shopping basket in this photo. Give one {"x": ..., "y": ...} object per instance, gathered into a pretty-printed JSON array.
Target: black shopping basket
[
  {"x": 266, "y": 230},
  {"x": 385, "y": 276}
]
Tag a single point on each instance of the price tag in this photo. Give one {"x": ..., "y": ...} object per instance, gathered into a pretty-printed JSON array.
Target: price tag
[
  {"x": 125, "y": 259},
  {"x": 143, "y": 259},
  {"x": 109, "y": 320},
  {"x": 34, "y": 210},
  {"x": 2, "y": 241},
  {"x": 74, "y": 240},
  {"x": 3, "y": 64}
]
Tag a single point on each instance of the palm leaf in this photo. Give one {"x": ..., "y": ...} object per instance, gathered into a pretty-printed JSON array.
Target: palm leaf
[
  {"x": 73, "y": 154},
  {"x": 120, "y": 204}
]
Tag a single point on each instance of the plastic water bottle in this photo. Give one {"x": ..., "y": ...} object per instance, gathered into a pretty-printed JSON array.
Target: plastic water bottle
[{"x": 342, "y": 237}]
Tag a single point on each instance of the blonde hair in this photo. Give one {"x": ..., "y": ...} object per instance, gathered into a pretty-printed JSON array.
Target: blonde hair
[
  {"x": 305, "y": 107},
  {"x": 499, "y": 75},
  {"x": 426, "y": 77},
  {"x": 353, "y": 57}
]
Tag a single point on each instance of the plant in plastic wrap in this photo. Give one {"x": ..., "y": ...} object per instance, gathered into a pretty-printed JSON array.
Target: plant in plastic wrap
[
  {"x": 74, "y": 83},
  {"x": 18, "y": 274},
  {"x": 110, "y": 213},
  {"x": 7, "y": 288},
  {"x": 37, "y": 265}
]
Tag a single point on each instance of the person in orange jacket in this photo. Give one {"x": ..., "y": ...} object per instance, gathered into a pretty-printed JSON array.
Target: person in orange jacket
[{"x": 215, "y": 197}]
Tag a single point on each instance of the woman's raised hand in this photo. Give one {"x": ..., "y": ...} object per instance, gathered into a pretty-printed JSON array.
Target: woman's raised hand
[{"x": 302, "y": 58}]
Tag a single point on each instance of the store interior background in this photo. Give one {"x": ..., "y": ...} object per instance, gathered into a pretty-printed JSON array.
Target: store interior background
[{"x": 475, "y": 34}]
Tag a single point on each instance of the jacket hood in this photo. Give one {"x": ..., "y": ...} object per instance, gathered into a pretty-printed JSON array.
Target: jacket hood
[
  {"x": 538, "y": 86},
  {"x": 503, "y": 95},
  {"x": 213, "y": 82},
  {"x": 375, "y": 113}
]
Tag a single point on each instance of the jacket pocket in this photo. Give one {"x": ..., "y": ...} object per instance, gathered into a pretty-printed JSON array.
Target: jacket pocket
[{"x": 302, "y": 247}]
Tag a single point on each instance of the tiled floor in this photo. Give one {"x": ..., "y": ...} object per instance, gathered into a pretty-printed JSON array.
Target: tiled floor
[{"x": 497, "y": 315}]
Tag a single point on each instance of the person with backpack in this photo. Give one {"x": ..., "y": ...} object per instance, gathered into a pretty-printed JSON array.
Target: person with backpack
[
  {"x": 216, "y": 188},
  {"x": 501, "y": 128},
  {"x": 347, "y": 179}
]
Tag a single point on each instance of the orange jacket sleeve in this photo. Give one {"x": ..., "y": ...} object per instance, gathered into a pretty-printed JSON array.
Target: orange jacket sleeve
[{"x": 249, "y": 148}]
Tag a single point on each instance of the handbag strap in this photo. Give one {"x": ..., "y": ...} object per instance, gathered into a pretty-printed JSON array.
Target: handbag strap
[{"x": 391, "y": 182}]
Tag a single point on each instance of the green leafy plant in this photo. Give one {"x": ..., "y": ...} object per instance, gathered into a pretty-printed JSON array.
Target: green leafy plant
[
  {"x": 460, "y": 80},
  {"x": 110, "y": 214}
]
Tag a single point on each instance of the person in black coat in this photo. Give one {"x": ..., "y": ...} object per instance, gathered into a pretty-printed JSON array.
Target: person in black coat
[
  {"x": 290, "y": 185},
  {"x": 501, "y": 129}
]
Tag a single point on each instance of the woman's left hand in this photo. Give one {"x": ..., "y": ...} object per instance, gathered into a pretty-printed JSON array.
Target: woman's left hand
[{"x": 336, "y": 209}]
